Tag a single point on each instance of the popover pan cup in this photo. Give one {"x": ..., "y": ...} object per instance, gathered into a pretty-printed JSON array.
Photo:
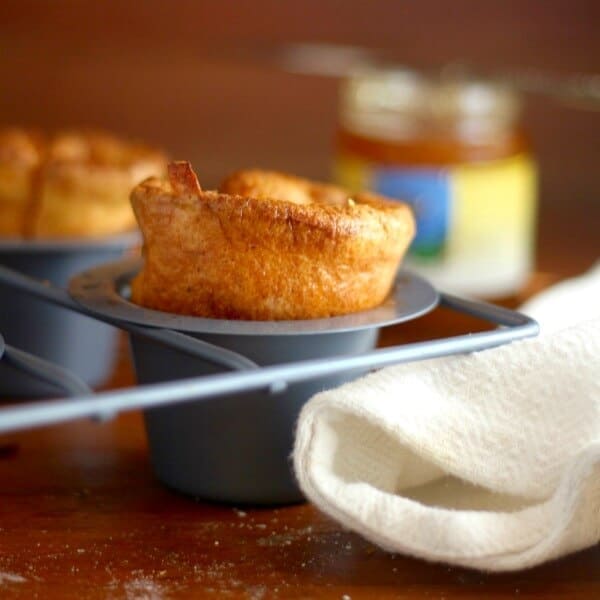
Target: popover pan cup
[
  {"x": 236, "y": 449},
  {"x": 80, "y": 344}
]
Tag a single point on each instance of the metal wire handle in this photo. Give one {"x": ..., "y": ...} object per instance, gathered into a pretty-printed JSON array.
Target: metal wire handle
[
  {"x": 174, "y": 339},
  {"x": 514, "y": 326}
]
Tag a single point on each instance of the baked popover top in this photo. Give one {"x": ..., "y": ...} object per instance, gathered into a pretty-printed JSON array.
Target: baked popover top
[{"x": 266, "y": 246}]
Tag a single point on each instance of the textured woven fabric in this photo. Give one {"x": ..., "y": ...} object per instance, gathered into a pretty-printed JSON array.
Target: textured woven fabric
[{"x": 489, "y": 460}]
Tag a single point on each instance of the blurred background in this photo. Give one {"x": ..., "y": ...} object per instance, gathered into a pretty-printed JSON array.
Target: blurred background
[{"x": 201, "y": 79}]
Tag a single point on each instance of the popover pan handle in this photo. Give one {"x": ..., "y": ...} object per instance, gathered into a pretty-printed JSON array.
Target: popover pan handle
[
  {"x": 173, "y": 339},
  {"x": 44, "y": 370},
  {"x": 514, "y": 326}
]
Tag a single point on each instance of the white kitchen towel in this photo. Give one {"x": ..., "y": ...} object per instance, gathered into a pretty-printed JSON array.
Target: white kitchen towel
[{"x": 489, "y": 460}]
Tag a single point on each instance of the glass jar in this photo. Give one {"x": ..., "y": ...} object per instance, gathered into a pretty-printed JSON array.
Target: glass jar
[{"x": 452, "y": 148}]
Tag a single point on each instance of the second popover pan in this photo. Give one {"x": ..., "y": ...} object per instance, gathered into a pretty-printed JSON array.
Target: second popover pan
[{"x": 80, "y": 344}]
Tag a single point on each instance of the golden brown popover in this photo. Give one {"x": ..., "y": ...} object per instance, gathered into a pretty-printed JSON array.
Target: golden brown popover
[
  {"x": 267, "y": 246},
  {"x": 70, "y": 185},
  {"x": 19, "y": 160}
]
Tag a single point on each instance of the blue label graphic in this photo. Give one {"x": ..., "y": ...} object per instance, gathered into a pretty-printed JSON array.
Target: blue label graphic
[{"x": 428, "y": 192}]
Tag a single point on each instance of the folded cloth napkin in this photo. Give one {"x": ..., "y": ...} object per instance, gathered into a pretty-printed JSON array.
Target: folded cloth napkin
[{"x": 489, "y": 460}]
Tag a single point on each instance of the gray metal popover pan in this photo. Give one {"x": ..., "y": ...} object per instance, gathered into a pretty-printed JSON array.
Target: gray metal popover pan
[
  {"x": 242, "y": 380},
  {"x": 77, "y": 343},
  {"x": 236, "y": 448}
]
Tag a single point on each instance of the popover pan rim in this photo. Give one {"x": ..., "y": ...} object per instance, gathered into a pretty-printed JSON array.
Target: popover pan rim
[{"x": 101, "y": 290}]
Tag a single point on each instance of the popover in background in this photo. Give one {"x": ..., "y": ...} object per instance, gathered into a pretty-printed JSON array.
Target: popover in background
[{"x": 71, "y": 184}]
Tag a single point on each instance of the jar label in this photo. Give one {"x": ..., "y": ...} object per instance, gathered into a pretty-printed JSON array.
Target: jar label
[
  {"x": 429, "y": 193},
  {"x": 474, "y": 221}
]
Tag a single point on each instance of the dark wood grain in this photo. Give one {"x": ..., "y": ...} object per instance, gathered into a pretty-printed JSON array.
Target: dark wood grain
[{"x": 82, "y": 516}]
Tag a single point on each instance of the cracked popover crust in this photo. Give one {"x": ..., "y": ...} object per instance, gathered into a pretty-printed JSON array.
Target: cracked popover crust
[
  {"x": 72, "y": 184},
  {"x": 266, "y": 246}
]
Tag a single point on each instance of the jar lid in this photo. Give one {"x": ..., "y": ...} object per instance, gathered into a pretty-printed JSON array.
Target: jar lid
[{"x": 396, "y": 102}]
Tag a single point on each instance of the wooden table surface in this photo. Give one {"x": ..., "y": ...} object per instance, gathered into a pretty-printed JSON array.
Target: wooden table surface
[{"x": 82, "y": 516}]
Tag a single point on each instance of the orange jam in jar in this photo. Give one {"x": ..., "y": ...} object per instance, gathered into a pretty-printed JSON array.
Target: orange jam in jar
[{"x": 454, "y": 150}]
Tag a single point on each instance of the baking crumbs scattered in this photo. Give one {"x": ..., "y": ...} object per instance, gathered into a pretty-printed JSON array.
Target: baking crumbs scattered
[
  {"x": 346, "y": 597},
  {"x": 240, "y": 513},
  {"x": 216, "y": 542}
]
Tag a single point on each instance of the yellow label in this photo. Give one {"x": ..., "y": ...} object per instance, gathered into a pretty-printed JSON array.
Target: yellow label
[{"x": 493, "y": 211}]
